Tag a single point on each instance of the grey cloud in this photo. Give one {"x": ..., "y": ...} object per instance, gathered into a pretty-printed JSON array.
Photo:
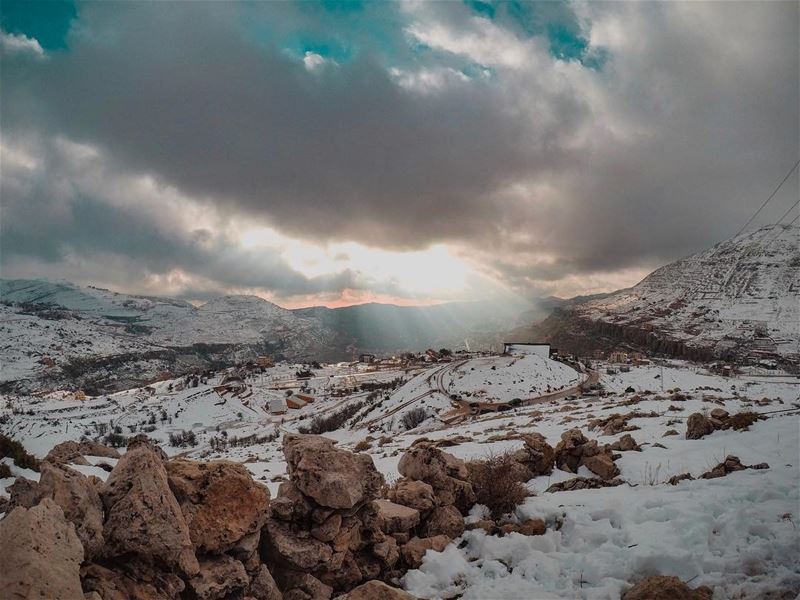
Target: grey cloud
[{"x": 706, "y": 96}]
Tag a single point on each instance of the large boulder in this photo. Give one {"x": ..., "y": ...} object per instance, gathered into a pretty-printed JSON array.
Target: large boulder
[
  {"x": 331, "y": 477},
  {"x": 659, "y": 587},
  {"x": 143, "y": 517},
  {"x": 601, "y": 465},
  {"x": 446, "y": 474},
  {"x": 74, "y": 452},
  {"x": 376, "y": 590},
  {"x": 79, "y": 500},
  {"x": 219, "y": 577},
  {"x": 220, "y": 502},
  {"x": 41, "y": 554},
  {"x": 698, "y": 426}
]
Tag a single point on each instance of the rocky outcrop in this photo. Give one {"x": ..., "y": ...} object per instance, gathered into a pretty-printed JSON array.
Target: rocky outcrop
[
  {"x": 414, "y": 550},
  {"x": 219, "y": 577},
  {"x": 698, "y": 425},
  {"x": 537, "y": 455},
  {"x": 74, "y": 452},
  {"x": 660, "y": 587},
  {"x": 41, "y": 554},
  {"x": 143, "y": 517}
]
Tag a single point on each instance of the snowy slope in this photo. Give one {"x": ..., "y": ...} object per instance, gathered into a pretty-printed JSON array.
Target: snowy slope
[{"x": 740, "y": 297}]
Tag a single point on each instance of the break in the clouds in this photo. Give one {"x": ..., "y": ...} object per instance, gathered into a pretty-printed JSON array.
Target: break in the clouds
[{"x": 418, "y": 151}]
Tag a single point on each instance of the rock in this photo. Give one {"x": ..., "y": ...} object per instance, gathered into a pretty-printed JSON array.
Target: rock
[
  {"x": 111, "y": 585},
  {"x": 536, "y": 454},
  {"x": 414, "y": 551},
  {"x": 570, "y": 450},
  {"x": 444, "y": 520},
  {"x": 675, "y": 479},
  {"x": 332, "y": 477},
  {"x": 290, "y": 505},
  {"x": 445, "y": 473},
  {"x": 284, "y": 546},
  {"x": 297, "y": 585},
  {"x": 219, "y": 500},
  {"x": 329, "y": 529},
  {"x": 41, "y": 554},
  {"x": 376, "y": 590},
  {"x": 625, "y": 444},
  {"x": 698, "y": 426},
  {"x": 387, "y": 551},
  {"x": 143, "y": 517},
  {"x": 720, "y": 414},
  {"x": 23, "y": 492},
  {"x": 669, "y": 432},
  {"x": 731, "y": 464},
  {"x": 583, "y": 483},
  {"x": 74, "y": 452},
  {"x": 414, "y": 494},
  {"x": 533, "y": 527},
  {"x": 601, "y": 465},
  {"x": 396, "y": 518},
  {"x": 263, "y": 586},
  {"x": 489, "y": 526},
  {"x": 659, "y": 587},
  {"x": 219, "y": 577},
  {"x": 80, "y": 502}
]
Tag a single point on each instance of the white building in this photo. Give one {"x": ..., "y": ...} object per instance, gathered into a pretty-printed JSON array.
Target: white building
[
  {"x": 277, "y": 406},
  {"x": 521, "y": 348}
]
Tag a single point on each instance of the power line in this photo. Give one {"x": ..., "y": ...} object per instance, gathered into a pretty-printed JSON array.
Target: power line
[
  {"x": 778, "y": 222},
  {"x": 771, "y": 196}
]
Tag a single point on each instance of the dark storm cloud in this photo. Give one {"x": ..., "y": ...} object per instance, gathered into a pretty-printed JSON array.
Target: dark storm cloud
[{"x": 666, "y": 149}]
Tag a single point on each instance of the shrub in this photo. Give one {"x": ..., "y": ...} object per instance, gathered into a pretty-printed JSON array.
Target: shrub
[
  {"x": 414, "y": 418},
  {"x": 321, "y": 423},
  {"x": 495, "y": 484},
  {"x": 16, "y": 451},
  {"x": 362, "y": 446}
]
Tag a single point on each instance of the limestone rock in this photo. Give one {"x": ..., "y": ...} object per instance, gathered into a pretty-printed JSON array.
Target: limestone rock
[
  {"x": 263, "y": 586},
  {"x": 79, "y": 500},
  {"x": 536, "y": 454},
  {"x": 281, "y": 545},
  {"x": 111, "y": 585},
  {"x": 659, "y": 587},
  {"x": 143, "y": 517},
  {"x": 414, "y": 494},
  {"x": 396, "y": 518},
  {"x": 601, "y": 465},
  {"x": 414, "y": 551},
  {"x": 331, "y": 477},
  {"x": 219, "y": 577},
  {"x": 444, "y": 520},
  {"x": 328, "y": 529},
  {"x": 698, "y": 426},
  {"x": 533, "y": 527},
  {"x": 376, "y": 590},
  {"x": 41, "y": 554},
  {"x": 220, "y": 502},
  {"x": 445, "y": 473}
]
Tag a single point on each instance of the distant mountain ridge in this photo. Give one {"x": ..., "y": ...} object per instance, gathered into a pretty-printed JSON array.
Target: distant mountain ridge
[
  {"x": 739, "y": 300},
  {"x": 57, "y": 333}
]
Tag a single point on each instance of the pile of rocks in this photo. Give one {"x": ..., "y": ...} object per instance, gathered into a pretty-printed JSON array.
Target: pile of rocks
[
  {"x": 698, "y": 425},
  {"x": 324, "y": 533},
  {"x": 575, "y": 450}
]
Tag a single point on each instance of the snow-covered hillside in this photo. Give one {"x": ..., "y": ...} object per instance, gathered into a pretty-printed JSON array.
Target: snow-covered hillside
[
  {"x": 738, "y": 298},
  {"x": 64, "y": 334}
]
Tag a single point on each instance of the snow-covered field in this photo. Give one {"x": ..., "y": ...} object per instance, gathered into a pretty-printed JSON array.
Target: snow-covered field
[{"x": 737, "y": 533}]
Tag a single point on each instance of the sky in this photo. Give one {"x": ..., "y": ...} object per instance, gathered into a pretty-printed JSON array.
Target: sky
[{"x": 339, "y": 152}]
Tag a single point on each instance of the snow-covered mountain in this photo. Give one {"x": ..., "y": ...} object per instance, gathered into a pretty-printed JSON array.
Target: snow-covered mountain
[
  {"x": 738, "y": 299},
  {"x": 61, "y": 333}
]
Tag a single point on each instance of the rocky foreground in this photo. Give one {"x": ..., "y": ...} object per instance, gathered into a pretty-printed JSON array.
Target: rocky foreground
[{"x": 162, "y": 529}]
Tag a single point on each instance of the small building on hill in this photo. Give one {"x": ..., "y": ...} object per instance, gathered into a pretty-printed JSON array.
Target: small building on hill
[
  {"x": 277, "y": 406},
  {"x": 523, "y": 348}
]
